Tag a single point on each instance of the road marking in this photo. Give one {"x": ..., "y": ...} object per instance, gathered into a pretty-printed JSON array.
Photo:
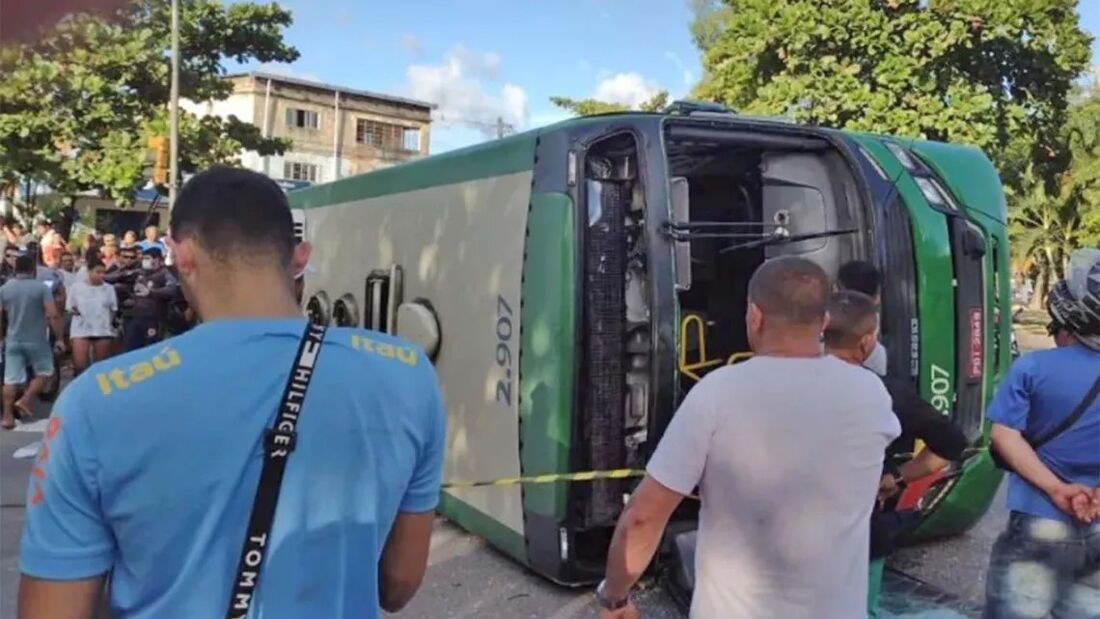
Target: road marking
[
  {"x": 27, "y": 451},
  {"x": 34, "y": 426}
]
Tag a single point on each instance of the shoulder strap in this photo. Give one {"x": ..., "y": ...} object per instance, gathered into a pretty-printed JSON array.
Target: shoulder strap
[
  {"x": 1068, "y": 422},
  {"x": 279, "y": 442}
]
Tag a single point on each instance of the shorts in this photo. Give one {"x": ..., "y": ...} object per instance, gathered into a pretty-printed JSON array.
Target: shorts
[{"x": 17, "y": 356}]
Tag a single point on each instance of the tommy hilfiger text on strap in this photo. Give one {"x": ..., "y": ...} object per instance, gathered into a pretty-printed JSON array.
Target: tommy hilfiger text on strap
[{"x": 279, "y": 442}]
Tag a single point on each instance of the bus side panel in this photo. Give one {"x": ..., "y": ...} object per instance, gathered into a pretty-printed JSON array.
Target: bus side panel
[
  {"x": 547, "y": 368},
  {"x": 460, "y": 247}
]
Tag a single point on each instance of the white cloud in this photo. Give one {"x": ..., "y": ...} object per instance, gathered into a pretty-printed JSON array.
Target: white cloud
[
  {"x": 462, "y": 87},
  {"x": 410, "y": 43},
  {"x": 629, "y": 89},
  {"x": 685, "y": 73}
]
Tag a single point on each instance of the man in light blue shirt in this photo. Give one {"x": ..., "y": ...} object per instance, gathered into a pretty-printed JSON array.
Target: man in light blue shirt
[{"x": 150, "y": 464}]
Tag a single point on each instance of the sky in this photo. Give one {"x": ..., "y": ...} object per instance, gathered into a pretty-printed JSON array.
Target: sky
[{"x": 483, "y": 59}]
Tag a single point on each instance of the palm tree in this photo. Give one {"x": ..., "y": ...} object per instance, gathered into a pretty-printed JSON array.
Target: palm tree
[{"x": 1044, "y": 229}]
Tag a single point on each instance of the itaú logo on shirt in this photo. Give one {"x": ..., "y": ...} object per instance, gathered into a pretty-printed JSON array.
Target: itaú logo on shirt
[
  {"x": 404, "y": 354},
  {"x": 119, "y": 378}
]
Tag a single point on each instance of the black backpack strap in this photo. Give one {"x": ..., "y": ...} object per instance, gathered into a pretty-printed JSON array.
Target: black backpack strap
[
  {"x": 1068, "y": 422},
  {"x": 279, "y": 441}
]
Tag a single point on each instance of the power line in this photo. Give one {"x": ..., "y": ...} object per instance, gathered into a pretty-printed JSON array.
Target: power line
[{"x": 500, "y": 127}]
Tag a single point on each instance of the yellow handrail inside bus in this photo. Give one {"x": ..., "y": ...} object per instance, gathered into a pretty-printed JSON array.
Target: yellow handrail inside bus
[
  {"x": 739, "y": 356},
  {"x": 689, "y": 369}
]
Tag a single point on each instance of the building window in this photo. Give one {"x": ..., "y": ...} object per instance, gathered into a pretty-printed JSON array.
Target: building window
[
  {"x": 411, "y": 139},
  {"x": 302, "y": 119},
  {"x": 295, "y": 171},
  {"x": 387, "y": 136}
]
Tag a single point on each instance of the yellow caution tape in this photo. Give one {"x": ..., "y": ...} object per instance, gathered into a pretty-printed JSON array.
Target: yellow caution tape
[{"x": 549, "y": 478}]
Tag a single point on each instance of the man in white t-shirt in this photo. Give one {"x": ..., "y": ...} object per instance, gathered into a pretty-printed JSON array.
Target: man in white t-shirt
[{"x": 787, "y": 452}]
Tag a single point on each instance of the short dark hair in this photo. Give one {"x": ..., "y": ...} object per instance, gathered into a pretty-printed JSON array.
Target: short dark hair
[
  {"x": 153, "y": 252},
  {"x": 791, "y": 289},
  {"x": 860, "y": 276},
  {"x": 852, "y": 315},
  {"x": 128, "y": 249},
  {"x": 235, "y": 214},
  {"x": 25, "y": 263},
  {"x": 92, "y": 261}
]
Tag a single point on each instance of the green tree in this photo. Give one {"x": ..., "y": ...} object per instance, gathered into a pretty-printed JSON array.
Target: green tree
[
  {"x": 1083, "y": 140},
  {"x": 77, "y": 106},
  {"x": 591, "y": 107},
  {"x": 1044, "y": 227},
  {"x": 991, "y": 73}
]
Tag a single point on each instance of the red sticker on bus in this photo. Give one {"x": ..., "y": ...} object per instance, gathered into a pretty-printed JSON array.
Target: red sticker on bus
[{"x": 975, "y": 366}]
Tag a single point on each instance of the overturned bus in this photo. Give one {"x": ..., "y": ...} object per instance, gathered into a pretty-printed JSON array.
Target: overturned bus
[{"x": 572, "y": 283}]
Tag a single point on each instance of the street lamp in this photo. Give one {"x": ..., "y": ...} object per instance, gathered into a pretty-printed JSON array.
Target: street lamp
[{"x": 174, "y": 108}]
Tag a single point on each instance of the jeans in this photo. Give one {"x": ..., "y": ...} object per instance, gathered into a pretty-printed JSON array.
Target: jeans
[{"x": 1044, "y": 568}]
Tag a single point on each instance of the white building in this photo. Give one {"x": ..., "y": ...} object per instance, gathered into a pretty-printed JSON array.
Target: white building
[{"x": 336, "y": 132}]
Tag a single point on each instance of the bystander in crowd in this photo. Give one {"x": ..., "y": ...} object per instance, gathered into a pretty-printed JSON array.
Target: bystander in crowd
[
  {"x": 1046, "y": 431},
  {"x": 778, "y": 537},
  {"x": 31, "y": 316}
]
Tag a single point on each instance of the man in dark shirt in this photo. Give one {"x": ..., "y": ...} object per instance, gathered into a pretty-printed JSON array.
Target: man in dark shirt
[
  {"x": 122, "y": 275},
  {"x": 154, "y": 289},
  {"x": 851, "y": 335}
]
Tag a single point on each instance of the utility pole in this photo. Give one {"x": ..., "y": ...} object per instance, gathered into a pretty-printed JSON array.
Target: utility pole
[
  {"x": 500, "y": 127},
  {"x": 173, "y": 109}
]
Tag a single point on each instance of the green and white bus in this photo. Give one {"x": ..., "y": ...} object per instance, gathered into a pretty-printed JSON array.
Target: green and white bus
[{"x": 573, "y": 282}]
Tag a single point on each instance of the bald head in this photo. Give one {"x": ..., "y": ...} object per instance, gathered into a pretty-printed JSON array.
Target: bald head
[
  {"x": 792, "y": 291},
  {"x": 853, "y": 321}
]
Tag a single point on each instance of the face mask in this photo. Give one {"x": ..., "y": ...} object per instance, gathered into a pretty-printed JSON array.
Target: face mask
[{"x": 147, "y": 264}]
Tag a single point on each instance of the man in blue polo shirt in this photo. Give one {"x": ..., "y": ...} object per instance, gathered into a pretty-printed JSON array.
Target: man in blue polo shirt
[
  {"x": 1047, "y": 562},
  {"x": 150, "y": 464}
]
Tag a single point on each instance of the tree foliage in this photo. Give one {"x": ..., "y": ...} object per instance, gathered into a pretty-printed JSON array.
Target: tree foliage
[
  {"x": 77, "y": 106},
  {"x": 1083, "y": 139},
  {"x": 991, "y": 73},
  {"x": 590, "y": 107},
  {"x": 1048, "y": 220}
]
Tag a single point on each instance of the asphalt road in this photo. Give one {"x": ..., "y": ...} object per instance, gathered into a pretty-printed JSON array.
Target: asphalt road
[{"x": 466, "y": 578}]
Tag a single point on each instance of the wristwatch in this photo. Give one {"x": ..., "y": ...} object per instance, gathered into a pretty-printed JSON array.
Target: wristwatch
[{"x": 609, "y": 604}]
